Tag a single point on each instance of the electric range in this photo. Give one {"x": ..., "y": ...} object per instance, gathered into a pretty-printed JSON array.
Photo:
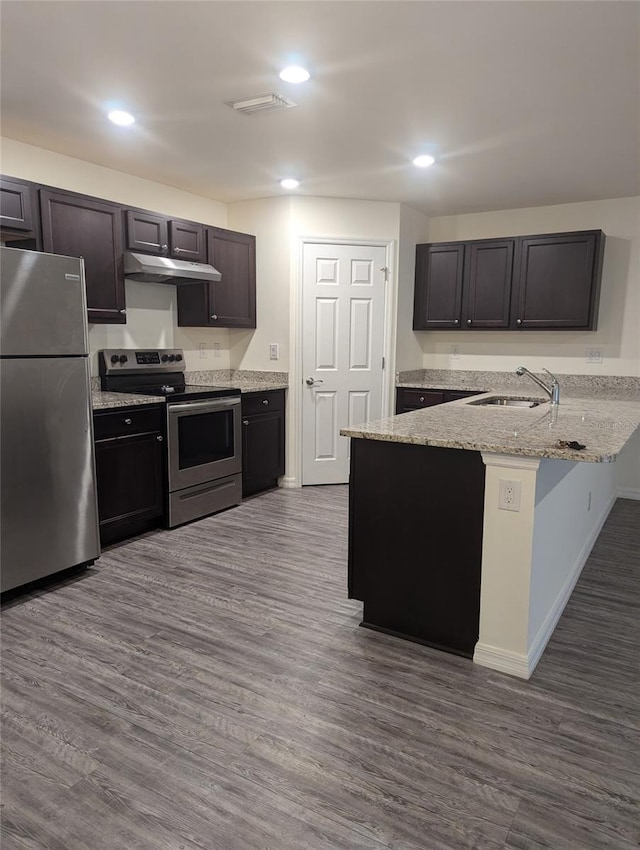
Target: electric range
[{"x": 204, "y": 443}]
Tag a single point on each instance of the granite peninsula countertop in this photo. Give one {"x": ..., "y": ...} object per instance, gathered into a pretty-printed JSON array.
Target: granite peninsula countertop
[
  {"x": 602, "y": 418},
  {"x": 244, "y": 380}
]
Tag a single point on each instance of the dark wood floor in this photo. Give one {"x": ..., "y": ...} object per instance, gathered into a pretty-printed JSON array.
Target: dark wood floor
[{"x": 209, "y": 687}]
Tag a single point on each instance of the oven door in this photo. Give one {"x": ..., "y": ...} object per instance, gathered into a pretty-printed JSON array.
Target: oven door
[{"x": 204, "y": 440}]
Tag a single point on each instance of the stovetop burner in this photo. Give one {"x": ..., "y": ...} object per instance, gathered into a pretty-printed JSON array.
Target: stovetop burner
[{"x": 186, "y": 392}]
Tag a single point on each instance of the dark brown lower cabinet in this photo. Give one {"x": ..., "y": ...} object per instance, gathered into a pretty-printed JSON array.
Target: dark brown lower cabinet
[
  {"x": 130, "y": 464},
  {"x": 410, "y": 398},
  {"x": 262, "y": 440},
  {"x": 415, "y": 541}
]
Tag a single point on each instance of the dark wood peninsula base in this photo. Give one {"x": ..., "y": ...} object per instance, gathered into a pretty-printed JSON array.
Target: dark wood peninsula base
[{"x": 415, "y": 541}]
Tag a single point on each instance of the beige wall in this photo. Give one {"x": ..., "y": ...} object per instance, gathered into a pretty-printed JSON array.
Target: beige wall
[
  {"x": 151, "y": 309},
  {"x": 279, "y": 225},
  {"x": 270, "y": 222},
  {"x": 617, "y": 336},
  {"x": 413, "y": 230}
]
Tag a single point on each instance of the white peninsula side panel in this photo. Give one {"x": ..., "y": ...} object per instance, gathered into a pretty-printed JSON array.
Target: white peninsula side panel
[{"x": 532, "y": 558}]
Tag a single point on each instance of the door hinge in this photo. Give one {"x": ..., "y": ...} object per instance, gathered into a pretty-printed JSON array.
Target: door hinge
[{"x": 385, "y": 269}]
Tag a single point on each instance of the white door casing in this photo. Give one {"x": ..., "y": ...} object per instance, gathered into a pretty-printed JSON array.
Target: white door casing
[{"x": 343, "y": 324}]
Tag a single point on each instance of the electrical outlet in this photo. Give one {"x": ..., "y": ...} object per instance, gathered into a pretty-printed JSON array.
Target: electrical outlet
[
  {"x": 509, "y": 495},
  {"x": 203, "y": 350},
  {"x": 273, "y": 351},
  {"x": 594, "y": 355},
  {"x": 455, "y": 352},
  {"x": 216, "y": 349}
]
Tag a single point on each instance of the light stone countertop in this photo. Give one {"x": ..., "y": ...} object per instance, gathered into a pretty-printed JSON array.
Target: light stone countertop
[
  {"x": 602, "y": 425},
  {"x": 622, "y": 387},
  {"x": 105, "y": 401},
  {"x": 245, "y": 381}
]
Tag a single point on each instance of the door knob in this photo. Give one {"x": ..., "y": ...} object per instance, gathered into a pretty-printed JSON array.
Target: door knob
[{"x": 312, "y": 381}]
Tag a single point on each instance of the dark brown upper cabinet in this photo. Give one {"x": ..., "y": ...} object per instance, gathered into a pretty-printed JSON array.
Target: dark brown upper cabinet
[
  {"x": 463, "y": 285},
  {"x": 528, "y": 282},
  {"x": 16, "y": 206},
  {"x": 79, "y": 226},
  {"x": 150, "y": 233},
  {"x": 438, "y": 286},
  {"x": 187, "y": 241},
  {"x": 487, "y": 284},
  {"x": 230, "y": 302},
  {"x": 557, "y": 284},
  {"x": 20, "y": 214},
  {"x": 147, "y": 232}
]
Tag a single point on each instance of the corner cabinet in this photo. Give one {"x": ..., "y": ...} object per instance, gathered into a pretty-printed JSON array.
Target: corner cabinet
[
  {"x": 231, "y": 301},
  {"x": 79, "y": 226},
  {"x": 129, "y": 471},
  {"x": 262, "y": 440},
  {"x": 550, "y": 281}
]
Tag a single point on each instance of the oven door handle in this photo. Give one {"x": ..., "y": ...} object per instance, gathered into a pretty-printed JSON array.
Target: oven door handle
[{"x": 217, "y": 404}]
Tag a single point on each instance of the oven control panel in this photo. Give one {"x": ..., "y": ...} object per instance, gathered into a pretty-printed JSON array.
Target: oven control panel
[{"x": 131, "y": 361}]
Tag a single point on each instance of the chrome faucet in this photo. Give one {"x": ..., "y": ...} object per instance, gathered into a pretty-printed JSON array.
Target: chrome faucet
[{"x": 552, "y": 391}]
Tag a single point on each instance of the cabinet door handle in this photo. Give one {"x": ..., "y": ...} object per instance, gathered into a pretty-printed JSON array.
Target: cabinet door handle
[
  {"x": 159, "y": 438},
  {"x": 245, "y": 421},
  {"x": 127, "y": 422},
  {"x": 456, "y": 322},
  {"x": 178, "y": 250},
  {"x": 518, "y": 321},
  {"x": 468, "y": 321},
  {"x": 421, "y": 398},
  {"x": 214, "y": 316},
  {"x": 164, "y": 247},
  {"x": 265, "y": 401},
  {"x": 123, "y": 312}
]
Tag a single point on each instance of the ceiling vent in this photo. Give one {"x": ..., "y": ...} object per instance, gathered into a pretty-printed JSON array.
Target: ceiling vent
[{"x": 261, "y": 103}]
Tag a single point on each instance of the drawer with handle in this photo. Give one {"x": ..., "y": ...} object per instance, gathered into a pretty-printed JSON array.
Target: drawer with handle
[
  {"x": 131, "y": 420},
  {"x": 414, "y": 399},
  {"x": 262, "y": 402}
]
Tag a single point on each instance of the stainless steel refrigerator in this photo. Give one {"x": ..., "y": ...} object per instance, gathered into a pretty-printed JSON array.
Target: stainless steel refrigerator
[{"x": 48, "y": 502}]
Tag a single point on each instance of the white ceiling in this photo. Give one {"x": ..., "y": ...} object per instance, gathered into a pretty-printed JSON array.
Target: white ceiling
[{"x": 524, "y": 103}]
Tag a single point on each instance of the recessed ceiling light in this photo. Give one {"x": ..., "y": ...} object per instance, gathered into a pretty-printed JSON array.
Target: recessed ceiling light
[
  {"x": 294, "y": 74},
  {"x": 121, "y": 118},
  {"x": 289, "y": 183},
  {"x": 424, "y": 161}
]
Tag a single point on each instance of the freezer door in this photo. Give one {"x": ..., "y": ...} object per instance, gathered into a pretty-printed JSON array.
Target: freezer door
[
  {"x": 43, "y": 310},
  {"x": 48, "y": 499}
]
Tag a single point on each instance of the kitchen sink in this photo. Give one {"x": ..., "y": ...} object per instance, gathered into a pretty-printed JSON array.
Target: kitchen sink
[{"x": 507, "y": 401}]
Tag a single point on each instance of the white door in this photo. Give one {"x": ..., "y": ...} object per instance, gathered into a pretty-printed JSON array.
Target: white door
[{"x": 343, "y": 305}]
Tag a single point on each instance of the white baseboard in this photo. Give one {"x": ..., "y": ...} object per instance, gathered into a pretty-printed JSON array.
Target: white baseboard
[
  {"x": 517, "y": 664},
  {"x": 288, "y": 482},
  {"x": 628, "y": 493},
  {"x": 502, "y": 660}
]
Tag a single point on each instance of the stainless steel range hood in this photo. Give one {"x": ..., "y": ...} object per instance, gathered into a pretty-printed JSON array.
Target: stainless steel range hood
[{"x": 151, "y": 269}]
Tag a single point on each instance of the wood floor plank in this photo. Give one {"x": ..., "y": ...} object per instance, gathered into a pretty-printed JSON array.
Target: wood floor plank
[{"x": 209, "y": 688}]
